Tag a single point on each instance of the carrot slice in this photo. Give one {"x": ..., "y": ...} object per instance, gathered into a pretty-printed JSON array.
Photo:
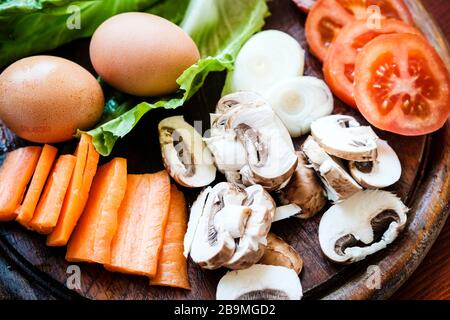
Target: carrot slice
[
  {"x": 172, "y": 264},
  {"x": 15, "y": 174},
  {"x": 26, "y": 211},
  {"x": 91, "y": 239},
  {"x": 51, "y": 202},
  {"x": 141, "y": 224},
  {"x": 77, "y": 195}
]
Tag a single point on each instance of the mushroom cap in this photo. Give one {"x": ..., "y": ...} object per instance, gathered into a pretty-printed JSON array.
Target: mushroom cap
[
  {"x": 381, "y": 173},
  {"x": 343, "y": 137},
  {"x": 279, "y": 253},
  {"x": 304, "y": 189},
  {"x": 186, "y": 157},
  {"x": 338, "y": 183},
  {"x": 361, "y": 225},
  {"x": 260, "y": 282}
]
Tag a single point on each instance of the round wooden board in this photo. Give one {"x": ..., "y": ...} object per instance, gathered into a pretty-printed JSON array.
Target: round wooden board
[{"x": 29, "y": 269}]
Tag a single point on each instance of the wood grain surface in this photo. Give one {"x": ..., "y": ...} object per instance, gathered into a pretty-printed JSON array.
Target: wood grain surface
[
  {"x": 432, "y": 279},
  {"x": 33, "y": 270}
]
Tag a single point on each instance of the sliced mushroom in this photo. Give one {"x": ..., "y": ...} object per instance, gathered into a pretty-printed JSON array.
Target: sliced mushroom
[
  {"x": 194, "y": 219},
  {"x": 239, "y": 98},
  {"x": 252, "y": 242},
  {"x": 260, "y": 282},
  {"x": 304, "y": 189},
  {"x": 232, "y": 219},
  {"x": 338, "y": 183},
  {"x": 361, "y": 225},
  {"x": 287, "y": 211},
  {"x": 271, "y": 160},
  {"x": 381, "y": 173},
  {"x": 228, "y": 226},
  {"x": 342, "y": 136},
  {"x": 229, "y": 154},
  {"x": 250, "y": 144},
  {"x": 212, "y": 246},
  {"x": 279, "y": 253},
  {"x": 185, "y": 156}
]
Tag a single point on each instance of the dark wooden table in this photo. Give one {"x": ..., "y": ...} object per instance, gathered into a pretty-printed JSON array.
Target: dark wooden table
[{"x": 432, "y": 279}]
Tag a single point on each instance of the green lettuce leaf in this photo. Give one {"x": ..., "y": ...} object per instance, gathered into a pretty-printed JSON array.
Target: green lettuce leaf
[
  {"x": 31, "y": 26},
  {"x": 219, "y": 28}
]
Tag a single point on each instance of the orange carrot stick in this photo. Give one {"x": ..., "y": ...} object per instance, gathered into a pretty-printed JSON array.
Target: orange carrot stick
[
  {"x": 26, "y": 211},
  {"x": 91, "y": 239},
  {"x": 50, "y": 204},
  {"x": 172, "y": 265},
  {"x": 141, "y": 224},
  {"x": 15, "y": 174},
  {"x": 77, "y": 195}
]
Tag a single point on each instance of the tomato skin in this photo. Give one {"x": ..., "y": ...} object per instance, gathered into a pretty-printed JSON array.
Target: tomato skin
[
  {"x": 327, "y": 17},
  {"x": 402, "y": 85},
  {"x": 334, "y": 15},
  {"x": 340, "y": 62}
]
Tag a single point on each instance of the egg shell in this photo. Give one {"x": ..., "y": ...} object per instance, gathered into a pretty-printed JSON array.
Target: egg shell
[
  {"x": 46, "y": 99},
  {"x": 142, "y": 54}
]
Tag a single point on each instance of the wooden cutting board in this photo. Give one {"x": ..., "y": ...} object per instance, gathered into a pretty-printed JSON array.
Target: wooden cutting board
[{"x": 29, "y": 269}]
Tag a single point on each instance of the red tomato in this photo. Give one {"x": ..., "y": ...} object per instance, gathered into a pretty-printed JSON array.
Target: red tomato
[
  {"x": 402, "y": 85},
  {"x": 327, "y": 17},
  {"x": 339, "y": 66}
]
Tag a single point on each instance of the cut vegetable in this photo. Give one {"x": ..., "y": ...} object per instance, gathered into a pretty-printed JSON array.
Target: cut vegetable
[
  {"x": 172, "y": 264},
  {"x": 363, "y": 224},
  {"x": 381, "y": 173},
  {"x": 327, "y": 17},
  {"x": 91, "y": 239},
  {"x": 279, "y": 253},
  {"x": 339, "y": 66},
  {"x": 402, "y": 89},
  {"x": 260, "y": 282},
  {"x": 186, "y": 157},
  {"x": 26, "y": 210},
  {"x": 77, "y": 194},
  {"x": 265, "y": 59},
  {"x": 142, "y": 222},
  {"x": 15, "y": 173},
  {"x": 49, "y": 207},
  {"x": 299, "y": 101}
]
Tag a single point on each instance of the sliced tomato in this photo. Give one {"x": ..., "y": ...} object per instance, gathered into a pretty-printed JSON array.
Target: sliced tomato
[
  {"x": 402, "y": 85},
  {"x": 327, "y": 17},
  {"x": 339, "y": 66}
]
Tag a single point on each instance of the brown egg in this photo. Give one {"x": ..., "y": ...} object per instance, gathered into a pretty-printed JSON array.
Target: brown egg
[
  {"x": 142, "y": 54},
  {"x": 46, "y": 99}
]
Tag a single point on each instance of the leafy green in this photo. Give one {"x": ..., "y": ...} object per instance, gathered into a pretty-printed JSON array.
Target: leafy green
[
  {"x": 31, "y": 26},
  {"x": 219, "y": 28}
]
